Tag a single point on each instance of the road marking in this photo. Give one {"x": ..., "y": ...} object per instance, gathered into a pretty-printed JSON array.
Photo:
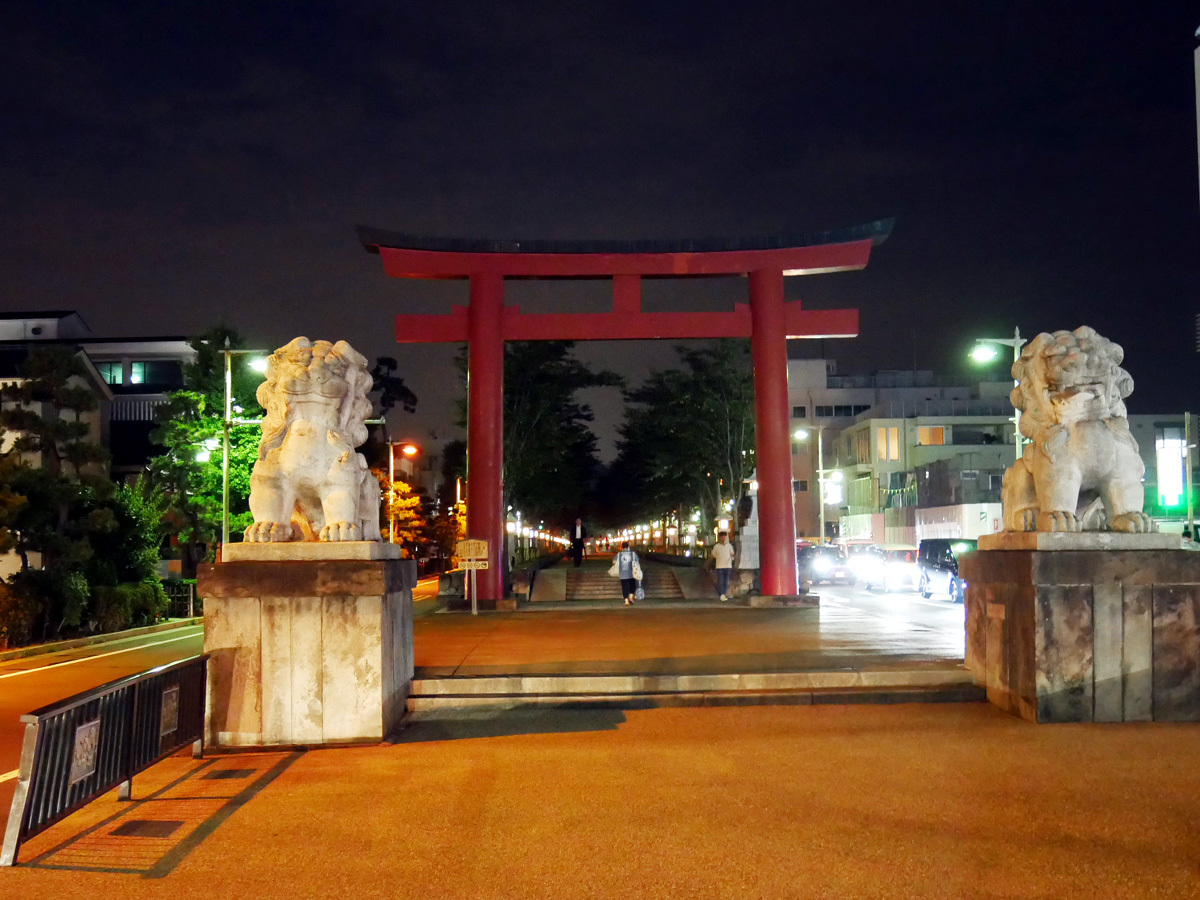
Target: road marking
[
  {"x": 9, "y": 776},
  {"x": 71, "y": 662}
]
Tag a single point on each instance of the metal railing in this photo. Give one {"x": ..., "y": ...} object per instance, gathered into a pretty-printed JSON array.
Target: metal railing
[
  {"x": 181, "y": 595},
  {"x": 80, "y": 748}
]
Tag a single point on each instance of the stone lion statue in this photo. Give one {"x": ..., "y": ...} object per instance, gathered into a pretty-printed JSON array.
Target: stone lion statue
[
  {"x": 308, "y": 483},
  {"x": 1082, "y": 470}
]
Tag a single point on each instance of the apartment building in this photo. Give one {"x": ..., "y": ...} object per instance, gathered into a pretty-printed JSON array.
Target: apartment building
[
  {"x": 876, "y": 435},
  {"x": 904, "y": 457},
  {"x": 131, "y": 377}
]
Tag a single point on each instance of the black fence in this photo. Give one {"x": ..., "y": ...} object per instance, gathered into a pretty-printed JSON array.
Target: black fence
[
  {"x": 79, "y": 748},
  {"x": 183, "y": 602}
]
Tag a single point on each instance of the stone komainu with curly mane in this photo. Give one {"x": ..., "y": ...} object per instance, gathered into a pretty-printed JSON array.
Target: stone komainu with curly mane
[
  {"x": 1081, "y": 470},
  {"x": 308, "y": 483}
]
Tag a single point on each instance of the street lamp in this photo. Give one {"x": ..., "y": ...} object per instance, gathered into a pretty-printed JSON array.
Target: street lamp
[
  {"x": 801, "y": 434},
  {"x": 985, "y": 352},
  {"x": 409, "y": 450},
  {"x": 258, "y": 363}
]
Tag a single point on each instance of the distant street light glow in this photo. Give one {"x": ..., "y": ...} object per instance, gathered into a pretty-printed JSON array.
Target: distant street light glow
[{"x": 984, "y": 353}]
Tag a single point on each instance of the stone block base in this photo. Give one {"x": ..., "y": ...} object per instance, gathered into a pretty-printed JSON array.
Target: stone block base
[
  {"x": 1086, "y": 635},
  {"x": 812, "y": 601},
  {"x": 306, "y": 652}
]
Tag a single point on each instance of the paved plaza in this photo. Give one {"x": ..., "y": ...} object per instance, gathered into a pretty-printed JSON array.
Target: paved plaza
[{"x": 956, "y": 801}]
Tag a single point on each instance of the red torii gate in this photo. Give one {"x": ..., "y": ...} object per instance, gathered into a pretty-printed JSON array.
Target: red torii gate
[{"x": 486, "y": 323}]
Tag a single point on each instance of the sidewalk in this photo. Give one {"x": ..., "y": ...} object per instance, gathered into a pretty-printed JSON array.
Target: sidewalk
[{"x": 842, "y": 801}]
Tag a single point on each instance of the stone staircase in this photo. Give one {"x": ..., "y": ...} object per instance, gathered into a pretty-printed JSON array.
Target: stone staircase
[
  {"x": 591, "y": 583},
  {"x": 946, "y": 683}
]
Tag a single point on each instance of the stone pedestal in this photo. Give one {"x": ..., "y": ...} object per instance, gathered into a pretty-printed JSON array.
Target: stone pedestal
[
  {"x": 306, "y": 651},
  {"x": 1085, "y": 635}
]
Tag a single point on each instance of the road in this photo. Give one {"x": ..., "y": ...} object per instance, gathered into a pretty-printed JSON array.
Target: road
[
  {"x": 902, "y": 612},
  {"x": 27, "y": 684}
]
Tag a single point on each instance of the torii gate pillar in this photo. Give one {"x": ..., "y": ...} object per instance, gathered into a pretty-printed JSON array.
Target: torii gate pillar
[
  {"x": 485, "y": 426},
  {"x": 776, "y": 512}
]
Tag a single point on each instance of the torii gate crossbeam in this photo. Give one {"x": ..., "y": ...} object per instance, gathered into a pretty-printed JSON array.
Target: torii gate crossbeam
[{"x": 486, "y": 323}]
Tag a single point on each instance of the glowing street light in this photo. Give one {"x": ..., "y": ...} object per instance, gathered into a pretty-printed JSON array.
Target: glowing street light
[
  {"x": 985, "y": 352},
  {"x": 801, "y": 435},
  {"x": 258, "y": 362}
]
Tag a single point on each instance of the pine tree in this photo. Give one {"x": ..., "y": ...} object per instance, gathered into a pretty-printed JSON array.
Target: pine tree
[{"x": 60, "y": 474}]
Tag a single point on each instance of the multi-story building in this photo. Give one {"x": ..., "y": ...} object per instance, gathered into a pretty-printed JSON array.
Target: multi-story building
[
  {"x": 131, "y": 377},
  {"x": 877, "y": 435},
  {"x": 905, "y": 458}
]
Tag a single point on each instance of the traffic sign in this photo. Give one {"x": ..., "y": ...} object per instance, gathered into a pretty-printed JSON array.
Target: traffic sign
[{"x": 474, "y": 563}]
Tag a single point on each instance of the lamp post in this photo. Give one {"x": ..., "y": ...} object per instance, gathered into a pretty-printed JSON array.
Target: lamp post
[
  {"x": 259, "y": 364},
  {"x": 409, "y": 450},
  {"x": 985, "y": 352},
  {"x": 801, "y": 434}
]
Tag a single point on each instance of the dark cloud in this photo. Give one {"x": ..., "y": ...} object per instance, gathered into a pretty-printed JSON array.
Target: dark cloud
[{"x": 167, "y": 166}]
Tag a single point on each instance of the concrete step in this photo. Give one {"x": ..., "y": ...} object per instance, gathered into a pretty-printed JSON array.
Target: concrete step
[
  {"x": 947, "y": 684},
  {"x": 592, "y": 584}
]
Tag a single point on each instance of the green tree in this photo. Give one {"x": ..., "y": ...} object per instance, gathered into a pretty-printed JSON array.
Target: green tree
[
  {"x": 68, "y": 505},
  {"x": 190, "y": 429},
  {"x": 550, "y": 463},
  {"x": 688, "y": 435}
]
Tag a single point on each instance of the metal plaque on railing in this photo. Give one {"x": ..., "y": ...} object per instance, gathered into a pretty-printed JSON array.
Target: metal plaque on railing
[
  {"x": 170, "y": 711},
  {"x": 83, "y": 751}
]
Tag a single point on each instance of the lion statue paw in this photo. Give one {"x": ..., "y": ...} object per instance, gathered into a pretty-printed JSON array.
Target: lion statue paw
[
  {"x": 1133, "y": 523},
  {"x": 1057, "y": 520},
  {"x": 265, "y": 532},
  {"x": 340, "y": 531}
]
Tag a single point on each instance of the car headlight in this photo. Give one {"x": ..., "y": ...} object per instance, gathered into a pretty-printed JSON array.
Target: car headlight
[{"x": 821, "y": 564}]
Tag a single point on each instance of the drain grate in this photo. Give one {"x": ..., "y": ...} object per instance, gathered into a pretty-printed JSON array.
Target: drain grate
[
  {"x": 229, "y": 773},
  {"x": 147, "y": 828}
]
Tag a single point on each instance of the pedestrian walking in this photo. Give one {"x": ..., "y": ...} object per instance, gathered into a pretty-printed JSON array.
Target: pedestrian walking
[
  {"x": 627, "y": 567},
  {"x": 722, "y": 554},
  {"x": 578, "y": 534}
]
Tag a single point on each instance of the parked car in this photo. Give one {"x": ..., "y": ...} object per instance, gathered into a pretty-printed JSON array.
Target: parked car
[
  {"x": 892, "y": 569},
  {"x": 937, "y": 559},
  {"x": 823, "y": 564}
]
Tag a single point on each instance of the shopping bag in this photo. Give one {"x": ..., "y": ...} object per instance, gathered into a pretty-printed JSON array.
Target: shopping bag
[
  {"x": 639, "y": 594},
  {"x": 615, "y": 569},
  {"x": 637, "y": 570}
]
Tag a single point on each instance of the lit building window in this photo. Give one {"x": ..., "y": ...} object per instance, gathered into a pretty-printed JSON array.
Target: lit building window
[
  {"x": 137, "y": 373},
  {"x": 888, "y": 443},
  {"x": 931, "y": 435},
  {"x": 110, "y": 372}
]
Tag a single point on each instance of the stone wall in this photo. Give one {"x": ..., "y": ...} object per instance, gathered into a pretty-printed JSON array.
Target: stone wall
[
  {"x": 307, "y": 652},
  {"x": 1086, "y": 635}
]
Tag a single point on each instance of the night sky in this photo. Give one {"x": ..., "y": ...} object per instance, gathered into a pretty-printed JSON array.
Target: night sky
[{"x": 166, "y": 166}]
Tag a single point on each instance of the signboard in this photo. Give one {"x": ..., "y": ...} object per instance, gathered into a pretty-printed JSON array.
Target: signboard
[
  {"x": 170, "y": 711},
  {"x": 472, "y": 556},
  {"x": 471, "y": 549},
  {"x": 83, "y": 752}
]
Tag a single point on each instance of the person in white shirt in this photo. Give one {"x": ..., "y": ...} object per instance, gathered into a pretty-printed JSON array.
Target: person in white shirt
[{"x": 722, "y": 554}]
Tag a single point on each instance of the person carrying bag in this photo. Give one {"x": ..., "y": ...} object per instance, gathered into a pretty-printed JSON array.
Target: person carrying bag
[{"x": 627, "y": 567}]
